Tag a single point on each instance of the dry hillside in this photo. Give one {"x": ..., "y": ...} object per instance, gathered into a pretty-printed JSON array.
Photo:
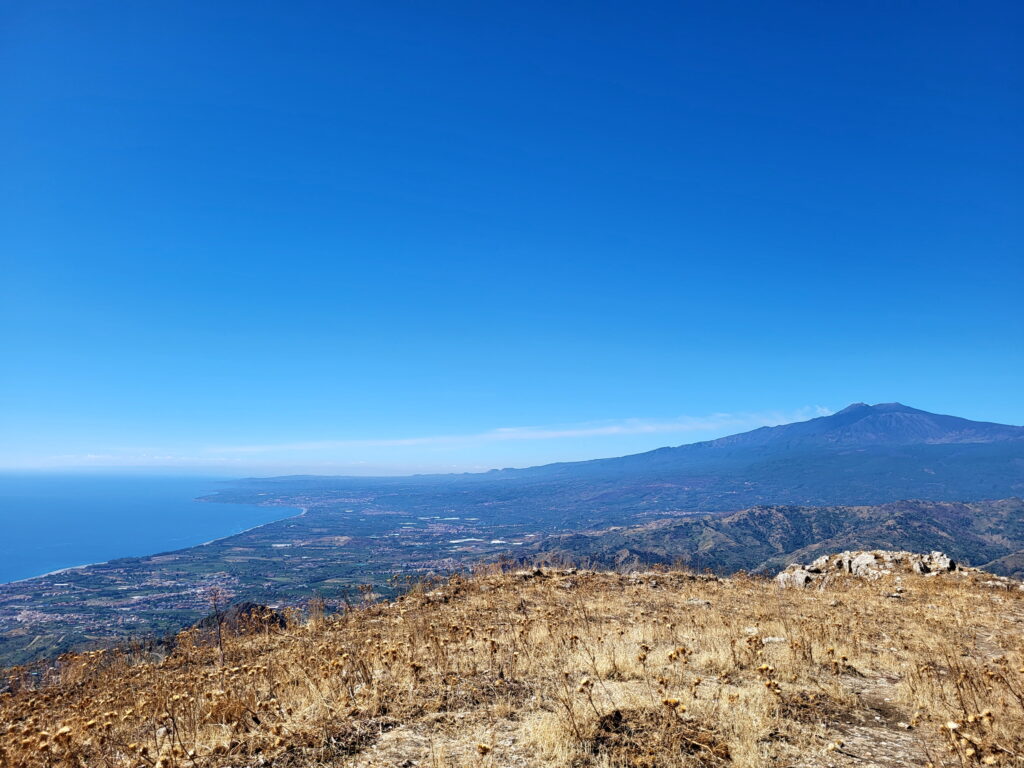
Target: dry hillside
[{"x": 562, "y": 668}]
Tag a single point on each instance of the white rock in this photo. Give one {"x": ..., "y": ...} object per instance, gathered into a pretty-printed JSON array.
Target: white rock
[
  {"x": 793, "y": 578},
  {"x": 941, "y": 562},
  {"x": 862, "y": 564}
]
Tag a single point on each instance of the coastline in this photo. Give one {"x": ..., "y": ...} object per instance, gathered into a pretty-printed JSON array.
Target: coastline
[{"x": 302, "y": 511}]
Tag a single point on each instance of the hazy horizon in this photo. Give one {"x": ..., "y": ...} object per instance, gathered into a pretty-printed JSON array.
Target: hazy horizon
[
  {"x": 643, "y": 434},
  {"x": 648, "y": 434}
]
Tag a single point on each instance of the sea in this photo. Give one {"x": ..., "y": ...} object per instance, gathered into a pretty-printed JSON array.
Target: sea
[{"x": 50, "y": 521}]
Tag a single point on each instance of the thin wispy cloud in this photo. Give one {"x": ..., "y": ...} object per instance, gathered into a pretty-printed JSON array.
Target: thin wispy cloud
[
  {"x": 680, "y": 425},
  {"x": 472, "y": 451}
]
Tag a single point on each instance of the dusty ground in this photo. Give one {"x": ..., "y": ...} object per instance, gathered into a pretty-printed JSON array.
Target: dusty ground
[{"x": 566, "y": 669}]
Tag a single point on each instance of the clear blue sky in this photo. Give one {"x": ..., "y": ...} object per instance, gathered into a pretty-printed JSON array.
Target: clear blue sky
[{"x": 367, "y": 236}]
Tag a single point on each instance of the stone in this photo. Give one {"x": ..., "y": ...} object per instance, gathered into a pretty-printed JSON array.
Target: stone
[
  {"x": 862, "y": 564},
  {"x": 793, "y": 578},
  {"x": 941, "y": 562}
]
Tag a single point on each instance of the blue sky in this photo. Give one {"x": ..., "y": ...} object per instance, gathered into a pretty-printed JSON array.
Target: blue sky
[{"x": 386, "y": 237}]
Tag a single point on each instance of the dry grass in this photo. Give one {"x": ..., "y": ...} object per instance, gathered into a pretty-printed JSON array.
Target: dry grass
[{"x": 561, "y": 669}]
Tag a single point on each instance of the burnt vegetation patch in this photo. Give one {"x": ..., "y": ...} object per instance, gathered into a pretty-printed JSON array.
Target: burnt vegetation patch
[
  {"x": 642, "y": 738},
  {"x": 816, "y": 707}
]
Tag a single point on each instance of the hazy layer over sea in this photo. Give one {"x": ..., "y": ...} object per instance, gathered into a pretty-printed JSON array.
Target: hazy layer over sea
[{"x": 50, "y": 521}]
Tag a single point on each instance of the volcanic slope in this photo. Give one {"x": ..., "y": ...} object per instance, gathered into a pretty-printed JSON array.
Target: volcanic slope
[{"x": 862, "y": 455}]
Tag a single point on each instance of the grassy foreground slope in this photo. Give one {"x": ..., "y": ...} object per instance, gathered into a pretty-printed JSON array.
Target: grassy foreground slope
[{"x": 562, "y": 668}]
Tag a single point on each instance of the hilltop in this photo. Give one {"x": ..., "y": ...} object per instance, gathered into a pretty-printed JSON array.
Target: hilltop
[{"x": 562, "y": 669}]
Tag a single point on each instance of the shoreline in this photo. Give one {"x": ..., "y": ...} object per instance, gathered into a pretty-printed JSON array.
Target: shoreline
[{"x": 303, "y": 511}]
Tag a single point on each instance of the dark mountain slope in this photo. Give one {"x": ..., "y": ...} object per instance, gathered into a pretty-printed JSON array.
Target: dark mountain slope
[
  {"x": 861, "y": 425},
  {"x": 1011, "y": 565},
  {"x": 768, "y": 537}
]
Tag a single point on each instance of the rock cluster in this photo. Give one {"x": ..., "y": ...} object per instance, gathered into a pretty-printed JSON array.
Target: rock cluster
[{"x": 878, "y": 563}]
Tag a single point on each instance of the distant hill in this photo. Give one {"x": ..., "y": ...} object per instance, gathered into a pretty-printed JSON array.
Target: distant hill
[
  {"x": 986, "y": 533},
  {"x": 862, "y": 455}
]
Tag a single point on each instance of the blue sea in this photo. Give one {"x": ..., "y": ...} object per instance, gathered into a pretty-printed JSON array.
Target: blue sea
[{"x": 48, "y": 522}]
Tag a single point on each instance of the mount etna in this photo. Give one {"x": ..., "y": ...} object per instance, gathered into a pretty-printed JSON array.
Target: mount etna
[{"x": 864, "y": 454}]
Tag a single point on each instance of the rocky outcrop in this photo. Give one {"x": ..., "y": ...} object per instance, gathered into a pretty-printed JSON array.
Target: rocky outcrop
[{"x": 876, "y": 564}]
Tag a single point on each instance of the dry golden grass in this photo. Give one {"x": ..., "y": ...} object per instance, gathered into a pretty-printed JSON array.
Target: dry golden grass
[{"x": 561, "y": 669}]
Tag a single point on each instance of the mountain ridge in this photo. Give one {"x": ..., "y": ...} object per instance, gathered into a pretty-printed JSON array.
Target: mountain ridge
[
  {"x": 863, "y": 454},
  {"x": 765, "y": 538},
  {"x": 857, "y": 425}
]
